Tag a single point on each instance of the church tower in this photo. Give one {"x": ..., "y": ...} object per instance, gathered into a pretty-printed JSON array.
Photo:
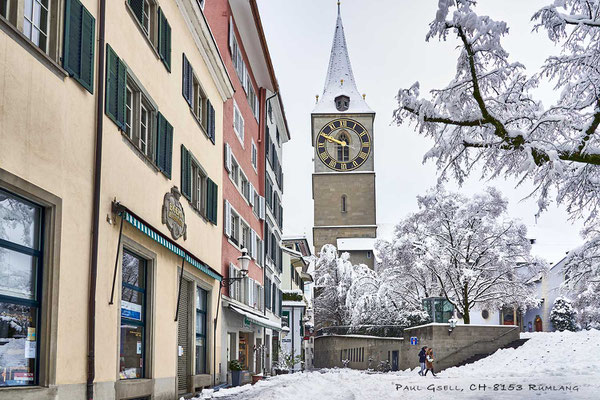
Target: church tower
[{"x": 344, "y": 177}]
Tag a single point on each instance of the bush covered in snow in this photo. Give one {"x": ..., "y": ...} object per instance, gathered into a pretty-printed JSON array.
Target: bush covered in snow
[
  {"x": 563, "y": 315},
  {"x": 355, "y": 295}
]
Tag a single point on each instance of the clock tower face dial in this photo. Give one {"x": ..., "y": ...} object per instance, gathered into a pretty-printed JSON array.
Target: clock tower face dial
[{"x": 343, "y": 144}]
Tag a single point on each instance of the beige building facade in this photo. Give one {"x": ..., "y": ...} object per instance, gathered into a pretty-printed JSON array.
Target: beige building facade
[{"x": 156, "y": 101}]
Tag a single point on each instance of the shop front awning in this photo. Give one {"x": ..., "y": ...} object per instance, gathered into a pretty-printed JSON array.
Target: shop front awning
[
  {"x": 250, "y": 317},
  {"x": 164, "y": 241}
]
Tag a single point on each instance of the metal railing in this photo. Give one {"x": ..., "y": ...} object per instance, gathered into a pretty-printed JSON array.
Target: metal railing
[{"x": 368, "y": 330}]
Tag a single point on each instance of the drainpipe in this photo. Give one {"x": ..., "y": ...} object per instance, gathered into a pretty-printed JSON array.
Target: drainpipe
[{"x": 91, "y": 372}]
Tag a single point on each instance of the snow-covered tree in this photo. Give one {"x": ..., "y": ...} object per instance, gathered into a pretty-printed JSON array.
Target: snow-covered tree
[
  {"x": 488, "y": 115},
  {"x": 355, "y": 295},
  {"x": 472, "y": 253},
  {"x": 563, "y": 315}
]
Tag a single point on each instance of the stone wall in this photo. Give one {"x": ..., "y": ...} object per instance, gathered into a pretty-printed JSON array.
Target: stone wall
[
  {"x": 450, "y": 348},
  {"x": 331, "y": 350}
]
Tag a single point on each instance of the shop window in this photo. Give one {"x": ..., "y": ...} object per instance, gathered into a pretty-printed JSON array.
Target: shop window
[
  {"x": 132, "y": 348},
  {"x": 201, "y": 309},
  {"x": 20, "y": 289}
]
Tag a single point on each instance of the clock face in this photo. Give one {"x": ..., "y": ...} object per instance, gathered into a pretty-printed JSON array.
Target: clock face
[{"x": 343, "y": 144}]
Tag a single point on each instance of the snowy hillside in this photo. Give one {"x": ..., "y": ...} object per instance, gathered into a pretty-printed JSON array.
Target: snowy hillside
[
  {"x": 544, "y": 354},
  {"x": 547, "y": 359}
]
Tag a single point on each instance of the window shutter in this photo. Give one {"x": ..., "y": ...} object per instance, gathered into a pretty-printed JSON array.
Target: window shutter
[
  {"x": 164, "y": 39},
  {"x": 280, "y": 302},
  {"x": 252, "y": 244},
  {"x": 232, "y": 286},
  {"x": 211, "y": 120},
  {"x": 250, "y": 291},
  {"x": 227, "y": 219},
  {"x": 261, "y": 208},
  {"x": 137, "y": 6},
  {"x": 164, "y": 145},
  {"x": 231, "y": 35},
  {"x": 251, "y": 196},
  {"x": 186, "y": 173},
  {"x": 212, "y": 193},
  {"x": 188, "y": 82},
  {"x": 116, "y": 79},
  {"x": 227, "y": 157},
  {"x": 79, "y": 43}
]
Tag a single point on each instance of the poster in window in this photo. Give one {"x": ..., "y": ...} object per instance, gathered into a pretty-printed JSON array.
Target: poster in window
[
  {"x": 131, "y": 310},
  {"x": 29, "y": 349}
]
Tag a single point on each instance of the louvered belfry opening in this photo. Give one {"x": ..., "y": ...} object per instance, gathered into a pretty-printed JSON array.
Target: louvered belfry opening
[{"x": 183, "y": 319}]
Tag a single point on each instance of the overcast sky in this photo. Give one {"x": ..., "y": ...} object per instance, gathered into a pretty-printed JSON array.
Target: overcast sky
[{"x": 388, "y": 51}]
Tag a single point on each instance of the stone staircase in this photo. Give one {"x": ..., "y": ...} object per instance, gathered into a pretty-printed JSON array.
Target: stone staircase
[{"x": 476, "y": 357}]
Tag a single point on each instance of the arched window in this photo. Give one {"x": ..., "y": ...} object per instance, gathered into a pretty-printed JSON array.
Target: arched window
[
  {"x": 344, "y": 203},
  {"x": 343, "y": 151}
]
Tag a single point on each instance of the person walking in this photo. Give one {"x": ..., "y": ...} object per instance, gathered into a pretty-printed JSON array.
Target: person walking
[
  {"x": 422, "y": 358},
  {"x": 429, "y": 361}
]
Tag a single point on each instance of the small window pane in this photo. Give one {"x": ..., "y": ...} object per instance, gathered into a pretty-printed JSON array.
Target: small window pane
[
  {"x": 133, "y": 270},
  {"x": 18, "y": 345},
  {"x": 201, "y": 355},
  {"x": 131, "y": 352},
  {"x": 144, "y": 130},
  {"x": 19, "y": 221},
  {"x": 128, "y": 111},
  {"x": 17, "y": 274}
]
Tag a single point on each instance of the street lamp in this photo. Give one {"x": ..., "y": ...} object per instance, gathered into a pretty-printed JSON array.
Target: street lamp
[
  {"x": 244, "y": 261},
  {"x": 284, "y": 331}
]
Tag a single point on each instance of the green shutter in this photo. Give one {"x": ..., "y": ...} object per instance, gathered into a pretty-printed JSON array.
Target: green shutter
[
  {"x": 116, "y": 79},
  {"x": 164, "y": 39},
  {"x": 186, "y": 169},
  {"x": 212, "y": 193},
  {"x": 188, "y": 81},
  {"x": 164, "y": 145},
  {"x": 138, "y": 9},
  {"x": 79, "y": 43},
  {"x": 211, "y": 121}
]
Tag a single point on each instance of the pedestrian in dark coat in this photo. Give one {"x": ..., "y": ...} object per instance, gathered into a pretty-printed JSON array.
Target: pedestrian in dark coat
[
  {"x": 422, "y": 359},
  {"x": 429, "y": 361}
]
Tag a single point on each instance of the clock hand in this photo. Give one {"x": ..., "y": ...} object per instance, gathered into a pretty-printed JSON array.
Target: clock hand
[{"x": 331, "y": 139}]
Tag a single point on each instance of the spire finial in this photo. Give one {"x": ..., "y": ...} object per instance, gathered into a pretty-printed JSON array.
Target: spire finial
[{"x": 338, "y": 3}]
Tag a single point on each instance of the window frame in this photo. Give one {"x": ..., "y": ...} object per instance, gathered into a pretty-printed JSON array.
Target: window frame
[
  {"x": 254, "y": 156},
  {"x": 145, "y": 325},
  {"x": 239, "y": 131},
  {"x": 197, "y": 310},
  {"x": 151, "y": 35},
  {"x": 37, "y": 302}
]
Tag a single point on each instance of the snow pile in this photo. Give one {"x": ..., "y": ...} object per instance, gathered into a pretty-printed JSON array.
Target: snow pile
[
  {"x": 545, "y": 354},
  {"x": 570, "y": 359}
]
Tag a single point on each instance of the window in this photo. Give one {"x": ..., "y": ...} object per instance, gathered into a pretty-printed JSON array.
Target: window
[
  {"x": 238, "y": 123},
  {"x": 20, "y": 289},
  {"x": 245, "y": 242},
  {"x": 258, "y": 244},
  {"x": 254, "y": 156},
  {"x": 146, "y": 18},
  {"x": 154, "y": 26},
  {"x": 138, "y": 118},
  {"x": 4, "y": 8},
  {"x": 201, "y": 308},
  {"x": 235, "y": 172},
  {"x": 274, "y": 298},
  {"x": 277, "y": 136},
  {"x": 198, "y": 188},
  {"x": 342, "y": 103},
  {"x": 344, "y": 203},
  {"x": 343, "y": 150},
  {"x": 201, "y": 4},
  {"x": 235, "y": 227},
  {"x": 244, "y": 186},
  {"x": 197, "y": 100},
  {"x": 35, "y": 24},
  {"x": 253, "y": 99},
  {"x": 133, "y": 318}
]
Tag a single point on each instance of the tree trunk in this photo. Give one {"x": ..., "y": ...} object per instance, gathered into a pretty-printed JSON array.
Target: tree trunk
[{"x": 466, "y": 317}]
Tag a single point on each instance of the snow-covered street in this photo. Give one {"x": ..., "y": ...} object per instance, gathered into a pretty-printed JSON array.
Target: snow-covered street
[{"x": 559, "y": 365}]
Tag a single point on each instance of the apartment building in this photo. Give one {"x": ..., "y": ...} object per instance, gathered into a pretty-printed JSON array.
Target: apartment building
[
  {"x": 111, "y": 203},
  {"x": 249, "y": 323}
]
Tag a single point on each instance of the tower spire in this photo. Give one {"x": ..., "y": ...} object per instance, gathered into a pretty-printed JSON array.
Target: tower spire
[{"x": 340, "y": 79}]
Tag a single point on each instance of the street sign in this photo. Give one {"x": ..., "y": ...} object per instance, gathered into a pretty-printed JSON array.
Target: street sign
[{"x": 414, "y": 340}]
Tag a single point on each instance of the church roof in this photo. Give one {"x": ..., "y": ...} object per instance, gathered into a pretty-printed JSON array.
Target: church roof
[{"x": 340, "y": 79}]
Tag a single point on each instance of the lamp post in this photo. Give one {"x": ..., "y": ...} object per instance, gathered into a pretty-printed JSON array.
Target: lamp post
[{"x": 244, "y": 261}]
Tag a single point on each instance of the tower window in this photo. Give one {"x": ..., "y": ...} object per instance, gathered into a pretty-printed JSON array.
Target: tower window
[
  {"x": 343, "y": 151},
  {"x": 342, "y": 103},
  {"x": 344, "y": 203}
]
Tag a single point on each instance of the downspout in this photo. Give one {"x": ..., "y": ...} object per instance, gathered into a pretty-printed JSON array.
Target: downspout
[
  {"x": 215, "y": 335},
  {"x": 91, "y": 371}
]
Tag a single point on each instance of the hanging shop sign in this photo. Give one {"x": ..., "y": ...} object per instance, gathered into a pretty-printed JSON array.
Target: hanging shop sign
[{"x": 173, "y": 215}]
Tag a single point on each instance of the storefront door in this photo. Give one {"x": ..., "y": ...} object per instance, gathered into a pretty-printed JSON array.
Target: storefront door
[
  {"x": 183, "y": 345},
  {"x": 243, "y": 350}
]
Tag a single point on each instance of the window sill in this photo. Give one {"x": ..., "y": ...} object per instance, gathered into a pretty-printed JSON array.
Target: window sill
[
  {"x": 199, "y": 122},
  {"x": 139, "y": 26},
  {"x": 34, "y": 50},
  {"x": 147, "y": 160}
]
